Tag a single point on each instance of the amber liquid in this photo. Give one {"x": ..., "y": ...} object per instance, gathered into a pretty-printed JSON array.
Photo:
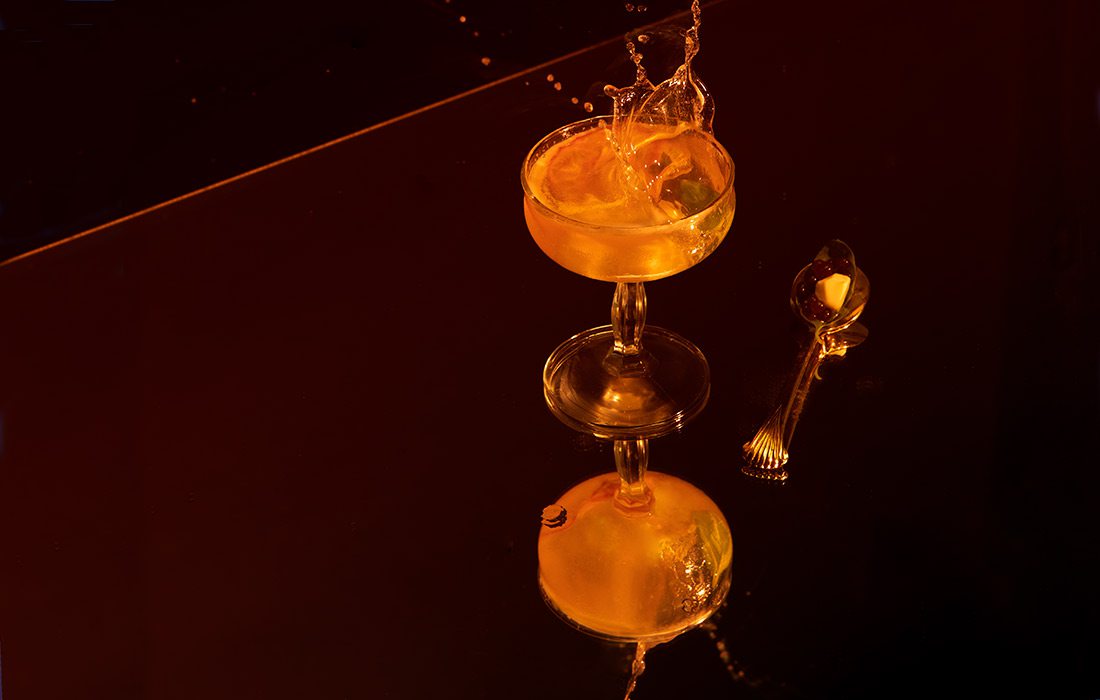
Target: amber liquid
[
  {"x": 662, "y": 212},
  {"x": 638, "y": 576}
]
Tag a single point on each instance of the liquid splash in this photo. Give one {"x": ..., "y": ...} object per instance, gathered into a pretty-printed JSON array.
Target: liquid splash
[
  {"x": 637, "y": 668},
  {"x": 735, "y": 670},
  {"x": 679, "y": 104},
  {"x": 682, "y": 99}
]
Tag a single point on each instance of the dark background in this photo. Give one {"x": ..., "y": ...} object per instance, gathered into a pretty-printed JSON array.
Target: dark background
[
  {"x": 112, "y": 106},
  {"x": 199, "y": 403}
]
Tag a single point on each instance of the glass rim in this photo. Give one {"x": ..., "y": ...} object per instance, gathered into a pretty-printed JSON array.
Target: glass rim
[{"x": 586, "y": 125}]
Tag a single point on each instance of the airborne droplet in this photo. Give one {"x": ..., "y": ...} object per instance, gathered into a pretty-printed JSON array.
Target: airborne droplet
[{"x": 485, "y": 60}]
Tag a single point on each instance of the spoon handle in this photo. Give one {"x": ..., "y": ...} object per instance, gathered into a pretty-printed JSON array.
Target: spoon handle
[
  {"x": 812, "y": 358},
  {"x": 767, "y": 453}
]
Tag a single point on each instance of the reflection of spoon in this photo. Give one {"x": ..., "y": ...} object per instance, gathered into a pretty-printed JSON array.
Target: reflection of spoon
[{"x": 829, "y": 294}]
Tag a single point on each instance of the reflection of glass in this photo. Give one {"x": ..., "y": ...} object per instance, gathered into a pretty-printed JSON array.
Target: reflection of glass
[
  {"x": 634, "y": 556},
  {"x": 626, "y": 380}
]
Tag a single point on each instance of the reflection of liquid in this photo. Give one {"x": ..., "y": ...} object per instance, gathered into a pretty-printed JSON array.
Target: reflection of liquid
[
  {"x": 641, "y": 573},
  {"x": 637, "y": 668}
]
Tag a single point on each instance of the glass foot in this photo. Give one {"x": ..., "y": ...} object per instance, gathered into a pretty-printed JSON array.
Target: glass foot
[{"x": 593, "y": 389}]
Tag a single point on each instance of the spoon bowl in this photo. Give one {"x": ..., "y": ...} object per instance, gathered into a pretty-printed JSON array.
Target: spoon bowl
[{"x": 830, "y": 292}]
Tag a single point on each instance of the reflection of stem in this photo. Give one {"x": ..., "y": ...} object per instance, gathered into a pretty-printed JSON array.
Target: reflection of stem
[
  {"x": 631, "y": 460},
  {"x": 637, "y": 668},
  {"x": 628, "y": 317}
]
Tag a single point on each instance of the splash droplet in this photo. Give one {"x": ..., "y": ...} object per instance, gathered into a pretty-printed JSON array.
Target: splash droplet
[
  {"x": 476, "y": 34},
  {"x": 462, "y": 19},
  {"x": 643, "y": 38},
  {"x": 588, "y": 107},
  {"x": 642, "y": 8},
  {"x": 549, "y": 77},
  {"x": 629, "y": 7},
  {"x": 485, "y": 60},
  {"x": 574, "y": 100},
  {"x": 723, "y": 651},
  {"x": 557, "y": 86},
  {"x": 678, "y": 99}
]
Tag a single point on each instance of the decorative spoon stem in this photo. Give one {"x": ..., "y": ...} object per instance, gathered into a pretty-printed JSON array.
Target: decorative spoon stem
[{"x": 811, "y": 362}]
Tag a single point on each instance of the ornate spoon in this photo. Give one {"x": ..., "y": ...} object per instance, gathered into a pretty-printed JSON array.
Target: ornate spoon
[{"x": 829, "y": 294}]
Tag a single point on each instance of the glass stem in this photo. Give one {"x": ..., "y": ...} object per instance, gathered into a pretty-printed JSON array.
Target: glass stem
[
  {"x": 631, "y": 460},
  {"x": 628, "y": 317}
]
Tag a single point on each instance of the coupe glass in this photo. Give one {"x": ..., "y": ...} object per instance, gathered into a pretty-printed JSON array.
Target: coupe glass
[{"x": 627, "y": 380}]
